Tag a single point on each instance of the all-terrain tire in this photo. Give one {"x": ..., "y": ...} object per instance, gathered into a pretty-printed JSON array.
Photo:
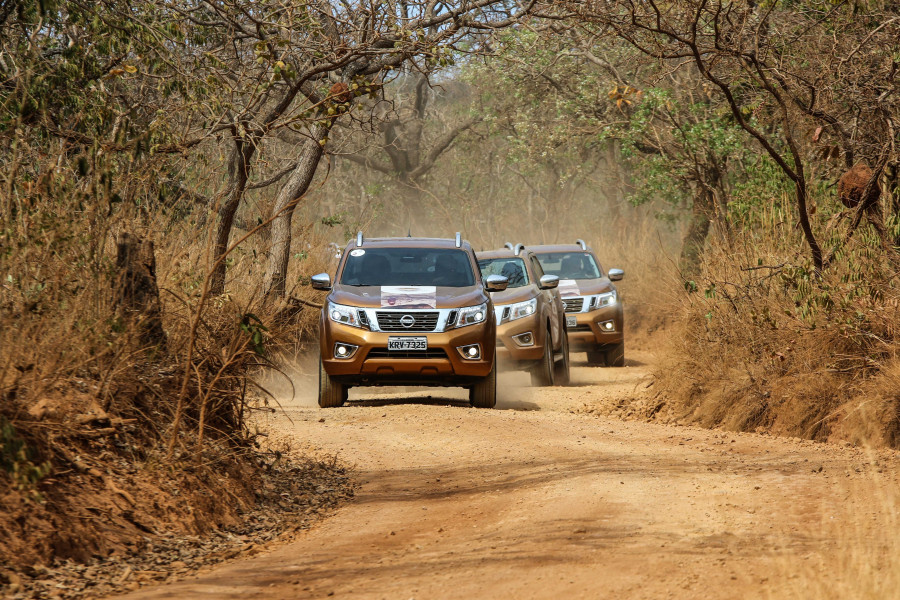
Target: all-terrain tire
[
  {"x": 543, "y": 373},
  {"x": 331, "y": 393},
  {"x": 596, "y": 358},
  {"x": 562, "y": 365},
  {"x": 484, "y": 393},
  {"x": 615, "y": 355}
]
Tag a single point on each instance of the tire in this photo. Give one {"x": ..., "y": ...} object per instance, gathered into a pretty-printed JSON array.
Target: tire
[
  {"x": 596, "y": 358},
  {"x": 543, "y": 374},
  {"x": 484, "y": 393},
  {"x": 562, "y": 365},
  {"x": 615, "y": 355},
  {"x": 331, "y": 393}
]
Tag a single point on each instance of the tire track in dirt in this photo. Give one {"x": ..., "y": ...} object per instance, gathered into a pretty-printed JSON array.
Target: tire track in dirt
[{"x": 541, "y": 499}]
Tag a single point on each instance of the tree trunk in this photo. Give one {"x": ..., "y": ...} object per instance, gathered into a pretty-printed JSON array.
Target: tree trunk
[
  {"x": 806, "y": 227},
  {"x": 714, "y": 180},
  {"x": 288, "y": 197},
  {"x": 695, "y": 239},
  {"x": 136, "y": 291},
  {"x": 237, "y": 175},
  {"x": 612, "y": 179}
]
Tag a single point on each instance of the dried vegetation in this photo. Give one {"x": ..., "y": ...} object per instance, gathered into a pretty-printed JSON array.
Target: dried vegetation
[
  {"x": 108, "y": 432},
  {"x": 764, "y": 344}
]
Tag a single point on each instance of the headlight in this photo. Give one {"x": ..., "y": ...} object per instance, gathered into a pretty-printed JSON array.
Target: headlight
[
  {"x": 471, "y": 315},
  {"x": 522, "y": 309},
  {"x": 601, "y": 300},
  {"x": 346, "y": 315}
]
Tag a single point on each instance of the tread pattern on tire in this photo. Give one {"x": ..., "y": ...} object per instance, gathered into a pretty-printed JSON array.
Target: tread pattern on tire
[
  {"x": 331, "y": 393},
  {"x": 597, "y": 358},
  {"x": 562, "y": 367},
  {"x": 484, "y": 393},
  {"x": 543, "y": 374},
  {"x": 615, "y": 355}
]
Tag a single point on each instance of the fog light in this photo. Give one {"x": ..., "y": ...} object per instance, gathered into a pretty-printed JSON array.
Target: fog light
[
  {"x": 608, "y": 326},
  {"x": 471, "y": 352},
  {"x": 344, "y": 350},
  {"x": 524, "y": 339}
]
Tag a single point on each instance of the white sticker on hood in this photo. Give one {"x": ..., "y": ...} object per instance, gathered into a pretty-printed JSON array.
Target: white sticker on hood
[
  {"x": 408, "y": 296},
  {"x": 568, "y": 288}
]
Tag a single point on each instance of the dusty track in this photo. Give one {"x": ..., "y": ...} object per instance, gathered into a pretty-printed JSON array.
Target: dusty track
[{"x": 542, "y": 499}]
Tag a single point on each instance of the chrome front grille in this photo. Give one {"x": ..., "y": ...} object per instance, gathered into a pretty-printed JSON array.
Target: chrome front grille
[
  {"x": 394, "y": 321},
  {"x": 573, "y": 305}
]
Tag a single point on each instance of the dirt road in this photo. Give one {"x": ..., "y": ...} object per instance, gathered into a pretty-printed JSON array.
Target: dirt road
[{"x": 544, "y": 499}]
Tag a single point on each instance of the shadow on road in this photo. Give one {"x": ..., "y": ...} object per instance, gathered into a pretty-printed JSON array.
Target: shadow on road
[
  {"x": 629, "y": 362},
  {"x": 398, "y": 400},
  {"x": 502, "y": 404}
]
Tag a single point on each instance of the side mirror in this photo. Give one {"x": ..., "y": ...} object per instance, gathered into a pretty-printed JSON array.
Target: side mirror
[
  {"x": 495, "y": 283},
  {"x": 616, "y": 274},
  {"x": 549, "y": 282},
  {"x": 322, "y": 281}
]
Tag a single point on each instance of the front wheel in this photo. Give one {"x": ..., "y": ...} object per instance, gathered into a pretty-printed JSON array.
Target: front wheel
[
  {"x": 331, "y": 393},
  {"x": 596, "y": 358},
  {"x": 543, "y": 373},
  {"x": 562, "y": 365},
  {"x": 484, "y": 393},
  {"x": 615, "y": 355}
]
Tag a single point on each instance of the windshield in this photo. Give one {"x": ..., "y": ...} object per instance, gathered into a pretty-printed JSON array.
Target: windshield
[
  {"x": 408, "y": 266},
  {"x": 511, "y": 268},
  {"x": 570, "y": 265}
]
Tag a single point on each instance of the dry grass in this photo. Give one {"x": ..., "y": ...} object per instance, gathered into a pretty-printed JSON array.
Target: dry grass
[
  {"x": 88, "y": 411},
  {"x": 764, "y": 345}
]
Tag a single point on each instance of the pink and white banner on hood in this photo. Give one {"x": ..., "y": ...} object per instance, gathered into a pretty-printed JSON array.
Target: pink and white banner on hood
[{"x": 408, "y": 296}]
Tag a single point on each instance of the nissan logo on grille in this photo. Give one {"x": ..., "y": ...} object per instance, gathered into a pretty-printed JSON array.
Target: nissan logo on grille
[{"x": 407, "y": 321}]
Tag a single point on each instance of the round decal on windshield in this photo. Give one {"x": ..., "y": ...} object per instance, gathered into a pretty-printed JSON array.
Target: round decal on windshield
[{"x": 357, "y": 252}]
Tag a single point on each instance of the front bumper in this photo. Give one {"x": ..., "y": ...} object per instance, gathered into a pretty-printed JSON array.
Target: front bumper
[
  {"x": 373, "y": 364},
  {"x": 588, "y": 334},
  {"x": 509, "y": 352}
]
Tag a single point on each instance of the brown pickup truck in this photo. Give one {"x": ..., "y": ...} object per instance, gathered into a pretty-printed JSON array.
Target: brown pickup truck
[
  {"x": 531, "y": 323},
  {"x": 594, "y": 317},
  {"x": 408, "y": 311}
]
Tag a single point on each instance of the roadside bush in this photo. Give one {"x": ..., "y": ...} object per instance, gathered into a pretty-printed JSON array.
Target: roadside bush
[
  {"x": 764, "y": 344},
  {"x": 92, "y": 413}
]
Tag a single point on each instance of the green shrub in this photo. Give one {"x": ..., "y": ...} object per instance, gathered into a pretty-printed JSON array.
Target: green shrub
[{"x": 17, "y": 459}]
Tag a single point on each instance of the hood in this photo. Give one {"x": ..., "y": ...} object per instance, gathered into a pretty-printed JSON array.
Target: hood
[
  {"x": 412, "y": 297},
  {"x": 569, "y": 288},
  {"x": 511, "y": 296}
]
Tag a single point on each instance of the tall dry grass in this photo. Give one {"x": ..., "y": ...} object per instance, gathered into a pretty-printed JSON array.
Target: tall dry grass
[
  {"x": 83, "y": 395},
  {"x": 764, "y": 344}
]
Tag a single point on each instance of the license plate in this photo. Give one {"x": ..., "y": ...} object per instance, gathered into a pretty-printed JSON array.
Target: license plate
[
  {"x": 407, "y": 343},
  {"x": 571, "y": 321}
]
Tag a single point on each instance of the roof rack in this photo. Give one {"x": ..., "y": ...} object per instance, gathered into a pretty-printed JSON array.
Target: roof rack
[
  {"x": 581, "y": 243},
  {"x": 508, "y": 245},
  {"x": 458, "y": 240},
  {"x": 359, "y": 239},
  {"x": 518, "y": 248}
]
